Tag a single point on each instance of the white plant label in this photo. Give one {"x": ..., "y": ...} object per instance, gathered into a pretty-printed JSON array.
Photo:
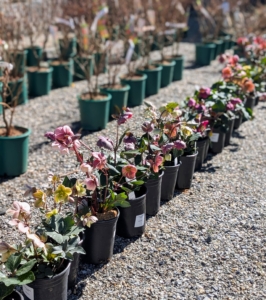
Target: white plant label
[
  {"x": 99, "y": 15},
  {"x": 176, "y": 25},
  {"x": 131, "y": 196},
  {"x": 214, "y": 137},
  {"x": 130, "y": 52},
  {"x": 28, "y": 291},
  {"x": 7, "y": 65},
  {"x": 69, "y": 23},
  {"x": 139, "y": 222}
]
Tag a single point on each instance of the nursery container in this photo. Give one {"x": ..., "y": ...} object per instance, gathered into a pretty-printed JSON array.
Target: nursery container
[
  {"x": 68, "y": 48},
  {"x": 20, "y": 60},
  {"x": 257, "y": 99},
  {"x": 87, "y": 63},
  {"x": 101, "y": 62},
  {"x": 153, "y": 82},
  {"x": 204, "y": 54},
  {"x": 169, "y": 182},
  {"x": 63, "y": 73},
  {"x": 1, "y": 107},
  {"x": 229, "y": 132},
  {"x": 33, "y": 55},
  {"x": 15, "y": 295},
  {"x": 119, "y": 98},
  {"x": 14, "y": 153},
  {"x": 250, "y": 102},
  {"x": 207, "y": 146},
  {"x": 137, "y": 85},
  {"x": 18, "y": 89},
  {"x": 153, "y": 195},
  {"x": 54, "y": 288},
  {"x": 217, "y": 140},
  {"x": 167, "y": 72},
  {"x": 40, "y": 81},
  {"x": 178, "y": 68},
  {"x": 99, "y": 241},
  {"x": 201, "y": 146},
  {"x": 219, "y": 48},
  {"x": 238, "y": 121},
  {"x": 132, "y": 220},
  {"x": 94, "y": 114},
  {"x": 186, "y": 171},
  {"x": 74, "y": 268},
  {"x": 227, "y": 43}
]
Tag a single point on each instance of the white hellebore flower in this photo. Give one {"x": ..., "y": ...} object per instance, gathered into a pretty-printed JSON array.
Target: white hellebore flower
[{"x": 7, "y": 65}]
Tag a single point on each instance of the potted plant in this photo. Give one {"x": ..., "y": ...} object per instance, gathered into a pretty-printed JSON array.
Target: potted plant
[
  {"x": 108, "y": 181},
  {"x": 13, "y": 139},
  {"x": 41, "y": 263}
]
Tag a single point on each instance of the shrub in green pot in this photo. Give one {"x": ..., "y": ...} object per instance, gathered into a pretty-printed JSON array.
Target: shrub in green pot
[
  {"x": 62, "y": 72},
  {"x": 68, "y": 47},
  {"x": 34, "y": 54},
  {"x": 205, "y": 54},
  {"x": 13, "y": 139},
  {"x": 18, "y": 91},
  {"x": 39, "y": 80},
  {"x": 83, "y": 65}
]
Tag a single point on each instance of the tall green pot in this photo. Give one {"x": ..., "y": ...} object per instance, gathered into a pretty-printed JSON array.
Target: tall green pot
[
  {"x": 178, "y": 68},
  {"x": 40, "y": 82},
  {"x": 18, "y": 89},
  {"x": 1, "y": 107},
  {"x": 19, "y": 59},
  {"x": 87, "y": 63},
  {"x": 136, "y": 93},
  {"x": 32, "y": 61},
  {"x": 204, "y": 54},
  {"x": 94, "y": 114},
  {"x": 14, "y": 153},
  {"x": 63, "y": 74},
  {"x": 154, "y": 77},
  {"x": 119, "y": 98},
  {"x": 68, "y": 48},
  {"x": 167, "y": 73},
  {"x": 219, "y": 47}
]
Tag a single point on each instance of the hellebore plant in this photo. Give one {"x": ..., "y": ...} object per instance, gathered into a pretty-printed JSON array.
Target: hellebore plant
[
  {"x": 47, "y": 246},
  {"x": 109, "y": 175}
]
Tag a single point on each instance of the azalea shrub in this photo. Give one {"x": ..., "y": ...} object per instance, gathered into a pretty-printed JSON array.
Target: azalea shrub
[{"x": 109, "y": 175}]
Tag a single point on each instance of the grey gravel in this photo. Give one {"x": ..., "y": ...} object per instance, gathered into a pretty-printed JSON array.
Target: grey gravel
[{"x": 207, "y": 243}]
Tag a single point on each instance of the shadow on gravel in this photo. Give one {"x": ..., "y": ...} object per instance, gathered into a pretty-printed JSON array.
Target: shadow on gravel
[
  {"x": 262, "y": 107},
  {"x": 209, "y": 168},
  {"x": 238, "y": 135},
  {"x": 236, "y": 147},
  {"x": 38, "y": 146}
]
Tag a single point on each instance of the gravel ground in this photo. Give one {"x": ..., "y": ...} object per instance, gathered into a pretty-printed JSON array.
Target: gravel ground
[{"x": 207, "y": 243}]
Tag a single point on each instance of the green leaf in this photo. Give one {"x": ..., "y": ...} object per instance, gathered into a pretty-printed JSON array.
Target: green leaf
[
  {"x": 138, "y": 182},
  {"x": 120, "y": 197},
  {"x": 122, "y": 203},
  {"x": 112, "y": 168},
  {"x": 26, "y": 267},
  {"x": 5, "y": 290},
  {"x": 69, "y": 182},
  {"x": 126, "y": 189},
  {"x": 55, "y": 236},
  {"x": 155, "y": 148},
  {"x": 20, "y": 280},
  {"x": 80, "y": 250},
  {"x": 219, "y": 106},
  {"x": 13, "y": 262},
  {"x": 131, "y": 152}
]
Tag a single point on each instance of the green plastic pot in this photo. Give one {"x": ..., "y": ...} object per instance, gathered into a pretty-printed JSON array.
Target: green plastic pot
[
  {"x": 239, "y": 51},
  {"x": 204, "y": 54},
  {"x": 94, "y": 114},
  {"x": 31, "y": 55},
  {"x": 19, "y": 59},
  {"x": 1, "y": 107},
  {"x": 153, "y": 82},
  {"x": 87, "y": 63},
  {"x": 18, "y": 89},
  {"x": 40, "y": 82},
  {"x": 136, "y": 93},
  {"x": 14, "y": 153},
  {"x": 219, "y": 47},
  {"x": 167, "y": 73},
  {"x": 100, "y": 62},
  {"x": 63, "y": 73},
  {"x": 119, "y": 98},
  {"x": 227, "y": 41},
  {"x": 68, "y": 48},
  {"x": 178, "y": 68}
]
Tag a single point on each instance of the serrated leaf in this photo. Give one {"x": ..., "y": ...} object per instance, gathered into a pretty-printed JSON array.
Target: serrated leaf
[
  {"x": 13, "y": 262},
  {"x": 5, "y": 290},
  {"x": 20, "y": 280},
  {"x": 55, "y": 236},
  {"x": 26, "y": 267}
]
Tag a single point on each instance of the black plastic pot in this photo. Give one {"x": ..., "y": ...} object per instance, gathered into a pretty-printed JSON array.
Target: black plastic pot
[
  {"x": 207, "y": 146},
  {"x": 250, "y": 102},
  {"x": 238, "y": 121},
  {"x": 99, "y": 241},
  {"x": 186, "y": 171},
  {"x": 217, "y": 140},
  {"x": 74, "y": 268},
  {"x": 169, "y": 182},
  {"x": 257, "y": 99},
  {"x": 153, "y": 196},
  {"x": 229, "y": 132},
  {"x": 132, "y": 220},
  {"x": 14, "y": 296},
  {"x": 54, "y": 288},
  {"x": 201, "y": 146}
]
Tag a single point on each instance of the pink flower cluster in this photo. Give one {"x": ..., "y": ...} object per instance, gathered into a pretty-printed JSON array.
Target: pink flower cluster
[{"x": 231, "y": 105}]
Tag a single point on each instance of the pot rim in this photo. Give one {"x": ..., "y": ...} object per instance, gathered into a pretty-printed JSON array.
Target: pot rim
[
  {"x": 49, "y": 70},
  {"x": 25, "y": 134},
  {"x": 191, "y": 155},
  {"x": 106, "y": 221},
  {"x": 142, "y": 78},
  {"x": 157, "y": 69},
  {"x": 107, "y": 99},
  {"x": 125, "y": 88}
]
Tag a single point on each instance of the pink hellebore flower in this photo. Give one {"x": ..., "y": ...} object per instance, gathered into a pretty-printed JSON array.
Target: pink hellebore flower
[
  {"x": 129, "y": 138},
  {"x": 105, "y": 142},
  {"x": 86, "y": 168},
  {"x": 147, "y": 126},
  {"x": 36, "y": 240},
  {"x": 204, "y": 93},
  {"x": 129, "y": 146},
  {"x": 234, "y": 60},
  {"x": 179, "y": 145},
  {"x": 129, "y": 171},
  {"x": 126, "y": 115},
  {"x": 222, "y": 58},
  {"x": 203, "y": 126},
  {"x": 191, "y": 102},
  {"x": 99, "y": 160},
  {"x": 230, "y": 106},
  {"x": 157, "y": 163},
  {"x": 167, "y": 148},
  {"x": 91, "y": 183},
  {"x": 19, "y": 210},
  {"x": 236, "y": 101}
]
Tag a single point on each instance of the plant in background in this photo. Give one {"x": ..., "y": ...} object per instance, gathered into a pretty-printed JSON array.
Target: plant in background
[{"x": 109, "y": 176}]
